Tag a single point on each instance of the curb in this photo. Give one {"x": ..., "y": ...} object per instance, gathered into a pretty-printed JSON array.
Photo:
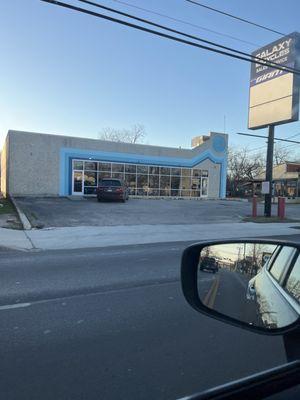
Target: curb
[{"x": 24, "y": 220}]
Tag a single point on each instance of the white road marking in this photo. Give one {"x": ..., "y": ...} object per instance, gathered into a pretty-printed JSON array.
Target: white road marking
[
  {"x": 10, "y": 306},
  {"x": 74, "y": 296}
]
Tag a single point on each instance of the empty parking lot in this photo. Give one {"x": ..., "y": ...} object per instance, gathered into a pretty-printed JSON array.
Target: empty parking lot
[{"x": 58, "y": 212}]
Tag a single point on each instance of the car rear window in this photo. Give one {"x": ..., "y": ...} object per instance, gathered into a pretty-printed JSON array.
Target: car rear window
[
  {"x": 110, "y": 182},
  {"x": 283, "y": 259},
  {"x": 293, "y": 281}
]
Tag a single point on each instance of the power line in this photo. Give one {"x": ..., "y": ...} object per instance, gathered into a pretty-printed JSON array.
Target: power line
[
  {"x": 266, "y": 137},
  {"x": 262, "y": 147},
  {"x": 92, "y": 3},
  {"x": 187, "y": 23},
  {"x": 290, "y": 137},
  {"x": 174, "y": 38},
  {"x": 235, "y": 17},
  {"x": 257, "y": 148}
]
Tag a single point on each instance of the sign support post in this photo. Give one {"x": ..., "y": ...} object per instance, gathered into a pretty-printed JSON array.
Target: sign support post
[{"x": 269, "y": 172}]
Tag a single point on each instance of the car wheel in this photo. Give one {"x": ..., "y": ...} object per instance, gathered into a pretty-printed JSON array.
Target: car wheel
[{"x": 98, "y": 198}]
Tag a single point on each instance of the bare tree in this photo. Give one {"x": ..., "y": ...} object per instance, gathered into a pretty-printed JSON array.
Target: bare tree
[
  {"x": 282, "y": 154},
  {"x": 242, "y": 165},
  {"x": 135, "y": 134}
]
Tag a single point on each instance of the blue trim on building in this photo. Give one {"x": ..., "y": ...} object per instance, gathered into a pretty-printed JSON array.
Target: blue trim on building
[{"x": 68, "y": 154}]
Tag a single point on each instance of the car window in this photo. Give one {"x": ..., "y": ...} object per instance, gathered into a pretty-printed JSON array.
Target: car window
[
  {"x": 282, "y": 260},
  {"x": 110, "y": 183},
  {"x": 293, "y": 281}
]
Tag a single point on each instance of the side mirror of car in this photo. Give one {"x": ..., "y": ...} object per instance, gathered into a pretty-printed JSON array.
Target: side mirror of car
[{"x": 253, "y": 284}]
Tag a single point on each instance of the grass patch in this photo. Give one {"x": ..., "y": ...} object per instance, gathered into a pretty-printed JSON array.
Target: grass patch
[
  {"x": 264, "y": 220},
  {"x": 6, "y": 206}
]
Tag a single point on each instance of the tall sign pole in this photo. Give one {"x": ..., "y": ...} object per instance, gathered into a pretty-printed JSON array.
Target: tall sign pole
[{"x": 269, "y": 172}]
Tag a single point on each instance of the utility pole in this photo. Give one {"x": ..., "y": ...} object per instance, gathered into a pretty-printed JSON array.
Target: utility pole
[{"x": 269, "y": 172}]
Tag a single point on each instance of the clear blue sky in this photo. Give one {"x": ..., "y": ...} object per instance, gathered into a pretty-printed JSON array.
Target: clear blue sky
[{"x": 67, "y": 73}]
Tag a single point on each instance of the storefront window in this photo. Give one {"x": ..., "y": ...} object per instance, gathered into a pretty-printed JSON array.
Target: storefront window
[
  {"x": 142, "y": 192},
  {"x": 130, "y": 180},
  {"x": 153, "y": 192},
  {"x": 197, "y": 172},
  {"x": 78, "y": 165},
  {"x": 165, "y": 182},
  {"x": 204, "y": 186},
  {"x": 104, "y": 166},
  {"x": 102, "y": 175},
  {"x": 142, "y": 169},
  {"x": 153, "y": 181},
  {"x": 291, "y": 188},
  {"x": 186, "y": 172},
  {"x": 132, "y": 191},
  {"x": 175, "y": 193},
  {"x": 117, "y": 175},
  {"x": 175, "y": 171},
  {"x": 165, "y": 192},
  {"x": 185, "y": 183},
  {"x": 90, "y": 178},
  {"x": 196, "y": 182},
  {"x": 154, "y": 170},
  {"x": 278, "y": 188},
  {"x": 175, "y": 182},
  {"x": 91, "y": 166},
  {"x": 164, "y": 171},
  {"x": 144, "y": 180},
  {"x": 130, "y": 168},
  {"x": 117, "y": 167}
]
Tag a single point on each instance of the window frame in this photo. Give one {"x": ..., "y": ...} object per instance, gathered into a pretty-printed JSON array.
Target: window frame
[
  {"x": 286, "y": 267},
  {"x": 290, "y": 269},
  {"x": 185, "y": 176}
]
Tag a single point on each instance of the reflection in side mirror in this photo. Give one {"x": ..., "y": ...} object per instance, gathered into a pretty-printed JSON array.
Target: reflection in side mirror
[{"x": 245, "y": 281}]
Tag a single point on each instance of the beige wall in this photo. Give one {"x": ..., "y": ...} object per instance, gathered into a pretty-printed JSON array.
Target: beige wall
[{"x": 4, "y": 167}]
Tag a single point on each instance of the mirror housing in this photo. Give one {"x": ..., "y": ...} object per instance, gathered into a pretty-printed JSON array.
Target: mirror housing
[{"x": 189, "y": 281}]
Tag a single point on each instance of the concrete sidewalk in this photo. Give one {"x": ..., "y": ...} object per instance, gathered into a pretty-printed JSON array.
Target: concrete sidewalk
[{"x": 93, "y": 236}]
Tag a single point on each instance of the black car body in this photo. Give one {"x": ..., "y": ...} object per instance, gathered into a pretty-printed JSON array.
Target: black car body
[
  {"x": 208, "y": 264},
  {"x": 112, "y": 189}
]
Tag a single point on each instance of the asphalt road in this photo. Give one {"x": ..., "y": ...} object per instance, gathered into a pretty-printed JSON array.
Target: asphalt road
[
  {"x": 113, "y": 323},
  {"x": 61, "y": 212},
  {"x": 225, "y": 292}
]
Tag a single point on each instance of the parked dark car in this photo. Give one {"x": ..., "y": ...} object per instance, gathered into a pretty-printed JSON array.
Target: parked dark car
[
  {"x": 208, "y": 264},
  {"x": 112, "y": 189}
]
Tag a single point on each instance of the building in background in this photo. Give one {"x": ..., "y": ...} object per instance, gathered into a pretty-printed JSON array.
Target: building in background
[
  {"x": 286, "y": 180},
  {"x": 35, "y": 164},
  {"x": 198, "y": 140}
]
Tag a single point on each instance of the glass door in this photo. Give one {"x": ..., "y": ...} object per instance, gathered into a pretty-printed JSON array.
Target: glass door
[
  {"x": 77, "y": 184},
  {"x": 204, "y": 187}
]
